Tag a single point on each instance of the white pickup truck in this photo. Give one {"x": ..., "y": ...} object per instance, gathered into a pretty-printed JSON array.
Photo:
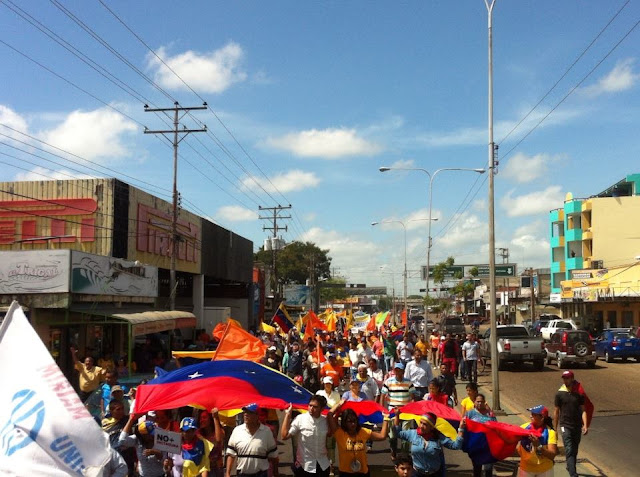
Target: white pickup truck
[
  {"x": 556, "y": 325},
  {"x": 515, "y": 345}
]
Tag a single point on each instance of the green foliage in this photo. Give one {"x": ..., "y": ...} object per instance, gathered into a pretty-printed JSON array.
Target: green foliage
[
  {"x": 439, "y": 270},
  {"x": 298, "y": 261},
  {"x": 331, "y": 294}
]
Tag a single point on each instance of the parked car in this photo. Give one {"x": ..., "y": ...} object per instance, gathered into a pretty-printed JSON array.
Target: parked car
[
  {"x": 556, "y": 325},
  {"x": 571, "y": 346},
  {"x": 515, "y": 345},
  {"x": 617, "y": 343},
  {"x": 538, "y": 325},
  {"x": 453, "y": 325}
]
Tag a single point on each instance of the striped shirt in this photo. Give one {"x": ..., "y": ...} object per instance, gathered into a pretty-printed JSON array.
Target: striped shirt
[
  {"x": 399, "y": 392},
  {"x": 252, "y": 450}
]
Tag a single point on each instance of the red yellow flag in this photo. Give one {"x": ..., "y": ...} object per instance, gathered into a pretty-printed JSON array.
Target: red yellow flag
[
  {"x": 237, "y": 343},
  {"x": 331, "y": 321}
]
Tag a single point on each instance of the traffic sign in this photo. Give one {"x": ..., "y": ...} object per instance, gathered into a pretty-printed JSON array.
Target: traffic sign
[
  {"x": 450, "y": 272},
  {"x": 502, "y": 270}
]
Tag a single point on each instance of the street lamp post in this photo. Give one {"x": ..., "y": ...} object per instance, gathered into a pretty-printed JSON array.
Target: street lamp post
[
  {"x": 431, "y": 177},
  {"x": 404, "y": 274}
]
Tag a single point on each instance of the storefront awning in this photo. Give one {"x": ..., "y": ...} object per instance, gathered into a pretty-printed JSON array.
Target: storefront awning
[{"x": 147, "y": 321}]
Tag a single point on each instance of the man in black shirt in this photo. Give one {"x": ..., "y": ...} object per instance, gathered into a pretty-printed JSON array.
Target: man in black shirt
[{"x": 571, "y": 416}]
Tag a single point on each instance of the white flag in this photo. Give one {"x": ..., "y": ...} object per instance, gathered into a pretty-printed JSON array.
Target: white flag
[{"x": 44, "y": 427}]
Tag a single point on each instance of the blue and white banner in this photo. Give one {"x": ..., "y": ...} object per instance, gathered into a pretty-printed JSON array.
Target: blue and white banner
[{"x": 44, "y": 427}]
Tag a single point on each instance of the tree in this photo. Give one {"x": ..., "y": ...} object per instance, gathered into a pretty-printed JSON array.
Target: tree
[
  {"x": 331, "y": 294},
  {"x": 439, "y": 271},
  {"x": 297, "y": 262}
]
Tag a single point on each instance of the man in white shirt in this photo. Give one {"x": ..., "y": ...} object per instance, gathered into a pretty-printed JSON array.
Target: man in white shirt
[
  {"x": 310, "y": 431},
  {"x": 252, "y": 447},
  {"x": 470, "y": 352},
  {"x": 404, "y": 350},
  {"x": 368, "y": 385},
  {"x": 356, "y": 356},
  {"x": 419, "y": 372},
  {"x": 375, "y": 372}
]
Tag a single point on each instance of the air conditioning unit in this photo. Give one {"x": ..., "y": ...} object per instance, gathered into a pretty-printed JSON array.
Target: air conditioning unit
[{"x": 597, "y": 264}]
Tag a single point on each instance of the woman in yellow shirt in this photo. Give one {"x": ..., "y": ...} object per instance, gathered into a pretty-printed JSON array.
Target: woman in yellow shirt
[
  {"x": 537, "y": 453},
  {"x": 351, "y": 440},
  {"x": 468, "y": 403}
]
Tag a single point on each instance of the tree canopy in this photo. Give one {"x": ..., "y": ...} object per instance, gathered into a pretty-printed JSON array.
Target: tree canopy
[{"x": 298, "y": 261}]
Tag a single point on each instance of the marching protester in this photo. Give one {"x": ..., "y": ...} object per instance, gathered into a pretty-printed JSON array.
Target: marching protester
[
  {"x": 251, "y": 447},
  {"x": 354, "y": 393},
  {"x": 404, "y": 350},
  {"x": 427, "y": 445},
  {"x": 310, "y": 431},
  {"x": 351, "y": 438},
  {"x": 376, "y": 372},
  {"x": 571, "y": 416},
  {"x": 368, "y": 385},
  {"x": 479, "y": 413},
  {"x": 470, "y": 355},
  {"x": 329, "y": 392},
  {"x": 435, "y": 394},
  {"x": 468, "y": 403},
  {"x": 447, "y": 382},
  {"x": 419, "y": 373},
  {"x": 538, "y": 453},
  {"x": 90, "y": 375},
  {"x": 150, "y": 461}
]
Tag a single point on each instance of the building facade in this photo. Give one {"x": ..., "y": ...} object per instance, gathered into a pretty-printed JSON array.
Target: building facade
[
  {"x": 89, "y": 259},
  {"x": 597, "y": 232}
]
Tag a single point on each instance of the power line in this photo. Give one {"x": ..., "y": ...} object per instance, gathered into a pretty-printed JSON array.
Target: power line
[{"x": 566, "y": 71}]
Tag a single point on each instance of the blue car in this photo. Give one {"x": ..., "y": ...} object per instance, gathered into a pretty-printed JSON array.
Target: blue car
[{"x": 617, "y": 343}]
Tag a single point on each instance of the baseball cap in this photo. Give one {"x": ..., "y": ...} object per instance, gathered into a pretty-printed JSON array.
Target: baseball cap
[
  {"x": 188, "y": 423},
  {"x": 327, "y": 380},
  {"x": 253, "y": 407},
  {"x": 399, "y": 366},
  {"x": 272, "y": 348},
  {"x": 539, "y": 409},
  {"x": 116, "y": 388},
  {"x": 146, "y": 428},
  {"x": 567, "y": 374}
]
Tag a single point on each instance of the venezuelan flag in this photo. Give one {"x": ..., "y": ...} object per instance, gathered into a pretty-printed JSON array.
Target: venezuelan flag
[
  {"x": 448, "y": 420},
  {"x": 367, "y": 411},
  {"x": 283, "y": 319},
  {"x": 491, "y": 441},
  {"x": 229, "y": 384}
]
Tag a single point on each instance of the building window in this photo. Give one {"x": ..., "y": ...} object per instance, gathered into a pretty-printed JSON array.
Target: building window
[
  {"x": 627, "y": 319},
  {"x": 612, "y": 319}
]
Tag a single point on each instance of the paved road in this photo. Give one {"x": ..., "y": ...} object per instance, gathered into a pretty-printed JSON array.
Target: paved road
[{"x": 613, "y": 387}]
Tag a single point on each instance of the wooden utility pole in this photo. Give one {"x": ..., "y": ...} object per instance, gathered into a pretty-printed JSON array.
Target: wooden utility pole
[
  {"x": 275, "y": 216},
  {"x": 533, "y": 296},
  {"x": 178, "y": 136}
]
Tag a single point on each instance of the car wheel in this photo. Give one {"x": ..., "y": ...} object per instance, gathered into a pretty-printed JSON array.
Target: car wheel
[
  {"x": 501, "y": 365},
  {"x": 581, "y": 349},
  {"x": 591, "y": 364},
  {"x": 607, "y": 357},
  {"x": 559, "y": 361}
]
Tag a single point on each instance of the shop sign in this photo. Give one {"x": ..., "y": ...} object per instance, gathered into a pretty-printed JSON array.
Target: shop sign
[
  {"x": 154, "y": 234},
  {"x": 34, "y": 271},
  {"x": 99, "y": 275},
  {"x": 297, "y": 295},
  {"x": 40, "y": 221}
]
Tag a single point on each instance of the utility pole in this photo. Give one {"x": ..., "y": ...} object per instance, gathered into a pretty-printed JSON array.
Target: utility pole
[
  {"x": 495, "y": 378},
  {"x": 178, "y": 136},
  {"x": 275, "y": 216},
  {"x": 533, "y": 296}
]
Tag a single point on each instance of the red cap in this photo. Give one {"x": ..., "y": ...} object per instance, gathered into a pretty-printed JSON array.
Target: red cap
[{"x": 567, "y": 374}]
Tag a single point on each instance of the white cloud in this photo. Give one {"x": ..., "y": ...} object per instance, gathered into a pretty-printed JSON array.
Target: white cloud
[
  {"x": 537, "y": 202},
  {"x": 42, "y": 174},
  {"x": 468, "y": 229},
  {"x": 346, "y": 252},
  {"x": 92, "y": 134},
  {"x": 403, "y": 164},
  {"x": 331, "y": 143},
  {"x": 235, "y": 213},
  {"x": 12, "y": 119},
  {"x": 284, "y": 182},
  {"x": 310, "y": 216},
  {"x": 523, "y": 168},
  {"x": 479, "y": 205},
  {"x": 210, "y": 72},
  {"x": 620, "y": 78}
]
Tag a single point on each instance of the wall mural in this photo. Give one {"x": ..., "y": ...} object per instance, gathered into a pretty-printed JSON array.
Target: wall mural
[{"x": 98, "y": 275}]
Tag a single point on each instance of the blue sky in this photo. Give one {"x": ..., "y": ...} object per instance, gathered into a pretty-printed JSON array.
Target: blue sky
[{"x": 321, "y": 94}]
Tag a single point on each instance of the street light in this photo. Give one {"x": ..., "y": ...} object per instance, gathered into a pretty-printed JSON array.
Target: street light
[{"x": 431, "y": 177}]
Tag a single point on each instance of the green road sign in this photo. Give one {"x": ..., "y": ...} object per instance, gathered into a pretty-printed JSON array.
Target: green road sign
[
  {"x": 503, "y": 270},
  {"x": 450, "y": 272}
]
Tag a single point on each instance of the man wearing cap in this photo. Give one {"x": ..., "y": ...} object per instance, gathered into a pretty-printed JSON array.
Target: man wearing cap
[
  {"x": 419, "y": 373},
  {"x": 571, "y": 416},
  {"x": 310, "y": 430},
  {"x": 396, "y": 392},
  {"x": 537, "y": 451},
  {"x": 195, "y": 448},
  {"x": 251, "y": 447},
  {"x": 294, "y": 360},
  {"x": 271, "y": 359}
]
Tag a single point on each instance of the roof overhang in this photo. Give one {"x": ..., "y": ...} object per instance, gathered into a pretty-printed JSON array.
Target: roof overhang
[{"x": 144, "y": 321}]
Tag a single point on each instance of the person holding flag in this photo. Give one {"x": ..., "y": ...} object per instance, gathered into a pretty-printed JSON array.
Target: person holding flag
[
  {"x": 572, "y": 413},
  {"x": 283, "y": 319},
  {"x": 538, "y": 451}
]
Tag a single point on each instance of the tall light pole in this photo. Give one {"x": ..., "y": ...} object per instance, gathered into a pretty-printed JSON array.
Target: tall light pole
[
  {"x": 404, "y": 274},
  {"x": 492, "y": 227},
  {"x": 431, "y": 177}
]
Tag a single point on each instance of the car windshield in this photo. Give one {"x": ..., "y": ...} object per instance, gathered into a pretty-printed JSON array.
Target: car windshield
[
  {"x": 513, "y": 332},
  {"x": 621, "y": 335},
  {"x": 564, "y": 325}
]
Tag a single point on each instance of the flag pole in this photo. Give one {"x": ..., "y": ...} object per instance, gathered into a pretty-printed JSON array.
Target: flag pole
[
  {"x": 319, "y": 361},
  {"x": 226, "y": 330}
]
